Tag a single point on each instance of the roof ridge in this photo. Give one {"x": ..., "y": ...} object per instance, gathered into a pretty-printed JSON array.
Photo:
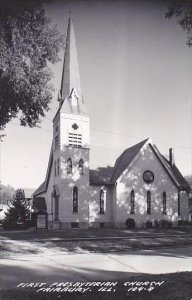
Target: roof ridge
[
  {"x": 165, "y": 164},
  {"x": 119, "y": 159}
]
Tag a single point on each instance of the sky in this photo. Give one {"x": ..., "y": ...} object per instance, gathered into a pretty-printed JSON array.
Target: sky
[{"x": 136, "y": 75}]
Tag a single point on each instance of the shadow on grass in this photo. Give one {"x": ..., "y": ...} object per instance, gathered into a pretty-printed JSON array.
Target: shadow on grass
[
  {"x": 157, "y": 247},
  {"x": 33, "y": 234},
  {"x": 15, "y": 248}
]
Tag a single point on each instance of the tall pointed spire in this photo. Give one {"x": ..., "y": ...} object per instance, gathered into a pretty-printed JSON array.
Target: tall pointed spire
[{"x": 70, "y": 84}]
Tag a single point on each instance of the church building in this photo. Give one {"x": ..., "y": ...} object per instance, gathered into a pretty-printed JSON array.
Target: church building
[{"x": 143, "y": 185}]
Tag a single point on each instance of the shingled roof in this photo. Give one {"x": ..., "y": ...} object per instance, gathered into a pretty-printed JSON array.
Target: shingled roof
[
  {"x": 182, "y": 182},
  {"x": 129, "y": 154},
  {"x": 109, "y": 175},
  {"x": 101, "y": 176},
  {"x": 125, "y": 159},
  {"x": 40, "y": 189},
  {"x": 43, "y": 187}
]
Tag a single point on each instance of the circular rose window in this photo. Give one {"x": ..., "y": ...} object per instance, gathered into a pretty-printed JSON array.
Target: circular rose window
[{"x": 148, "y": 176}]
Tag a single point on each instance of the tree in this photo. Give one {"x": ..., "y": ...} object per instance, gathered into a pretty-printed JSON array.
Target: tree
[
  {"x": 188, "y": 178},
  {"x": 182, "y": 10},
  {"x": 6, "y": 193},
  {"x": 29, "y": 43},
  {"x": 18, "y": 213}
]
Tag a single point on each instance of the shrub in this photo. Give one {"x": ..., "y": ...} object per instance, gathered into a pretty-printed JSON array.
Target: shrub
[
  {"x": 165, "y": 223},
  {"x": 156, "y": 224},
  {"x": 148, "y": 224},
  {"x": 183, "y": 222},
  {"x": 130, "y": 223},
  {"x": 17, "y": 216}
]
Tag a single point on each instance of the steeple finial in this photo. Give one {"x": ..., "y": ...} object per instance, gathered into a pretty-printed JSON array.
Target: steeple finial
[{"x": 70, "y": 75}]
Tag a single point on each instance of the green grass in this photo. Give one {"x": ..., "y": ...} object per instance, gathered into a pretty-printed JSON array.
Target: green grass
[{"x": 177, "y": 286}]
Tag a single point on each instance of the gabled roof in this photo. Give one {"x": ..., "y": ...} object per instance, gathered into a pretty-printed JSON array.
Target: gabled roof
[
  {"x": 101, "y": 176},
  {"x": 182, "y": 181},
  {"x": 109, "y": 175},
  {"x": 43, "y": 187},
  {"x": 125, "y": 159},
  {"x": 167, "y": 167}
]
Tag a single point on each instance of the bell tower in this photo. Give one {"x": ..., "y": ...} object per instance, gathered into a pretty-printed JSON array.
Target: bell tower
[{"x": 71, "y": 127}]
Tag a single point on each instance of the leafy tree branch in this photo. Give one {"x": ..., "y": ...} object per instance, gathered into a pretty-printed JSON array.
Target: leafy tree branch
[
  {"x": 29, "y": 43},
  {"x": 182, "y": 11}
]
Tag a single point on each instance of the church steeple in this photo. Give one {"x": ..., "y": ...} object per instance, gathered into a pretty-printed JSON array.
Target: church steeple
[{"x": 70, "y": 93}]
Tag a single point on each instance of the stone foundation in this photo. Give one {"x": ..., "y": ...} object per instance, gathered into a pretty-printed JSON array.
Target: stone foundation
[
  {"x": 56, "y": 225},
  {"x": 101, "y": 225}
]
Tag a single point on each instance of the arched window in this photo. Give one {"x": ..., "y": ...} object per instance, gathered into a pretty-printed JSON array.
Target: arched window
[
  {"x": 132, "y": 202},
  {"x": 69, "y": 166},
  {"x": 58, "y": 167},
  {"x": 55, "y": 166},
  {"x": 148, "y": 202},
  {"x": 102, "y": 202},
  {"x": 164, "y": 203},
  {"x": 75, "y": 199},
  {"x": 56, "y": 208},
  {"x": 179, "y": 208},
  {"x": 81, "y": 166},
  {"x": 55, "y": 202}
]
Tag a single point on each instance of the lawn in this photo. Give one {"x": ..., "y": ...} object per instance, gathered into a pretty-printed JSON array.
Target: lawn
[
  {"x": 176, "y": 286},
  {"x": 89, "y": 246}
]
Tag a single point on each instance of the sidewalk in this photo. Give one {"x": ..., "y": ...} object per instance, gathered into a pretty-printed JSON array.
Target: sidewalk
[{"x": 69, "y": 267}]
